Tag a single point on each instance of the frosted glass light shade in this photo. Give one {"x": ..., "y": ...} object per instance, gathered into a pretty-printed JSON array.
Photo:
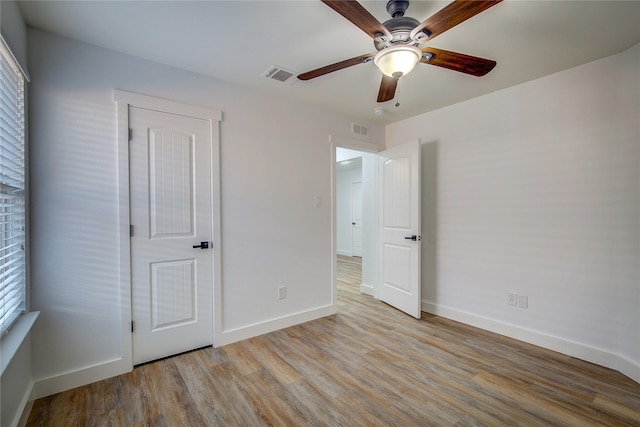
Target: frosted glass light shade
[{"x": 397, "y": 61}]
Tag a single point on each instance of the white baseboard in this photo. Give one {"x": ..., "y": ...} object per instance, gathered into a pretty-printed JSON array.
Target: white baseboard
[
  {"x": 366, "y": 289},
  {"x": 343, "y": 253},
  {"x": 73, "y": 379},
  {"x": 561, "y": 345},
  {"x": 254, "y": 330}
]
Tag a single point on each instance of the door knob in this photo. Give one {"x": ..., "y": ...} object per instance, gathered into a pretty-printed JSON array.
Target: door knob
[
  {"x": 413, "y": 237},
  {"x": 202, "y": 245}
]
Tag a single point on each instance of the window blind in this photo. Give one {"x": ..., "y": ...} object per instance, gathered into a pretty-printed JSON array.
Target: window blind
[{"x": 12, "y": 190}]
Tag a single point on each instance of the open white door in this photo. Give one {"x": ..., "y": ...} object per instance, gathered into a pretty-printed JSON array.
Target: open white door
[{"x": 400, "y": 227}]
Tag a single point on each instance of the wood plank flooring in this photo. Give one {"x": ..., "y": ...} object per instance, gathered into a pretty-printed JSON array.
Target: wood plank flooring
[{"x": 369, "y": 365}]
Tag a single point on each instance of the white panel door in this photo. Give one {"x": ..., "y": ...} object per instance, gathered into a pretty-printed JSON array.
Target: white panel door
[
  {"x": 356, "y": 219},
  {"x": 400, "y": 227},
  {"x": 171, "y": 214}
]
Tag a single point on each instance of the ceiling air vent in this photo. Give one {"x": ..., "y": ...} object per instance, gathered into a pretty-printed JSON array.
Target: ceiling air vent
[
  {"x": 280, "y": 74},
  {"x": 359, "y": 129}
]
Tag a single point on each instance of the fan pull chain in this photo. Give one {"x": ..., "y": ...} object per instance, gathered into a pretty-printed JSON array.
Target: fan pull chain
[{"x": 398, "y": 93}]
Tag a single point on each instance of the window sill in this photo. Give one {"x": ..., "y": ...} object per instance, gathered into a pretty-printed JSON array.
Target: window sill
[{"x": 12, "y": 342}]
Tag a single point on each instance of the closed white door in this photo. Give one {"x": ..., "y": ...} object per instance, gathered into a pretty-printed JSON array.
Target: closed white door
[
  {"x": 356, "y": 219},
  {"x": 400, "y": 227},
  {"x": 171, "y": 218}
]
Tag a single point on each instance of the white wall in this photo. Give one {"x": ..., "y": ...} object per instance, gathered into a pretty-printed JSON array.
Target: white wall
[
  {"x": 344, "y": 183},
  {"x": 275, "y": 157},
  {"x": 15, "y": 385},
  {"x": 14, "y": 30},
  {"x": 536, "y": 190}
]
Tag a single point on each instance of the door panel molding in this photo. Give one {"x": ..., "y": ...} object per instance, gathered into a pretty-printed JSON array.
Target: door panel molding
[
  {"x": 169, "y": 183},
  {"x": 174, "y": 278}
]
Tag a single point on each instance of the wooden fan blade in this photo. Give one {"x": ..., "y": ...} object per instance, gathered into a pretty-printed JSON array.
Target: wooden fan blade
[
  {"x": 459, "y": 62},
  {"x": 355, "y": 13},
  {"x": 334, "y": 67},
  {"x": 452, "y": 15},
  {"x": 387, "y": 88}
]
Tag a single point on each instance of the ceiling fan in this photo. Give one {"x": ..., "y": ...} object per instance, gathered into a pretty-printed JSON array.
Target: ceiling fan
[{"x": 397, "y": 41}]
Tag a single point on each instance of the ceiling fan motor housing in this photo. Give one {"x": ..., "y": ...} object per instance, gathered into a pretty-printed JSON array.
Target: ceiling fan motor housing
[
  {"x": 399, "y": 26},
  {"x": 400, "y": 29}
]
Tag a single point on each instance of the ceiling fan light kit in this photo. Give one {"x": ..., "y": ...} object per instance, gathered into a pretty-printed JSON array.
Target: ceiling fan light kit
[
  {"x": 398, "y": 38},
  {"x": 397, "y": 61}
]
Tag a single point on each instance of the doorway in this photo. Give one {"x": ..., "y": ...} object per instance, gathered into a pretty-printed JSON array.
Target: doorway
[
  {"x": 353, "y": 221},
  {"x": 390, "y": 187},
  {"x": 349, "y": 202}
]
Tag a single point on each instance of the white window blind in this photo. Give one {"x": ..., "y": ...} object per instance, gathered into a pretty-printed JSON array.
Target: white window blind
[{"x": 12, "y": 190}]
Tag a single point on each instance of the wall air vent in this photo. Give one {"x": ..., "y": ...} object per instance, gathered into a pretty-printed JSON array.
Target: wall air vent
[
  {"x": 357, "y": 129},
  {"x": 280, "y": 74}
]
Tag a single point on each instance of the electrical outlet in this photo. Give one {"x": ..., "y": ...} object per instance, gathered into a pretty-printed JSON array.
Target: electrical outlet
[
  {"x": 282, "y": 292},
  {"x": 512, "y": 299},
  {"x": 523, "y": 301}
]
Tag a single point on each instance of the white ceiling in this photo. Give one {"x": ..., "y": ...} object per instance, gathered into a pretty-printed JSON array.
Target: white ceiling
[{"x": 238, "y": 41}]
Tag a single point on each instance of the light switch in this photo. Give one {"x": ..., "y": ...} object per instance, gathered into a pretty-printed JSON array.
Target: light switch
[{"x": 318, "y": 201}]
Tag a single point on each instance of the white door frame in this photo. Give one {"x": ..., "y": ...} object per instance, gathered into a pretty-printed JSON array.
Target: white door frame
[
  {"x": 124, "y": 100},
  {"x": 352, "y": 144},
  {"x": 356, "y": 202}
]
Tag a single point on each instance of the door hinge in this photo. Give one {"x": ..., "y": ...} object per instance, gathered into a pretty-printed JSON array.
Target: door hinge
[
  {"x": 130, "y": 134},
  {"x": 132, "y": 326},
  {"x": 130, "y": 230}
]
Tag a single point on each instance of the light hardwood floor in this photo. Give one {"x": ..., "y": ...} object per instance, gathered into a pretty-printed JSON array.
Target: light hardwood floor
[{"x": 368, "y": 365}]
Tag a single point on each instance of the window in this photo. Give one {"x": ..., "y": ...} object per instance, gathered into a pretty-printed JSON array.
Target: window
[{"x": 12, "y": 190}]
